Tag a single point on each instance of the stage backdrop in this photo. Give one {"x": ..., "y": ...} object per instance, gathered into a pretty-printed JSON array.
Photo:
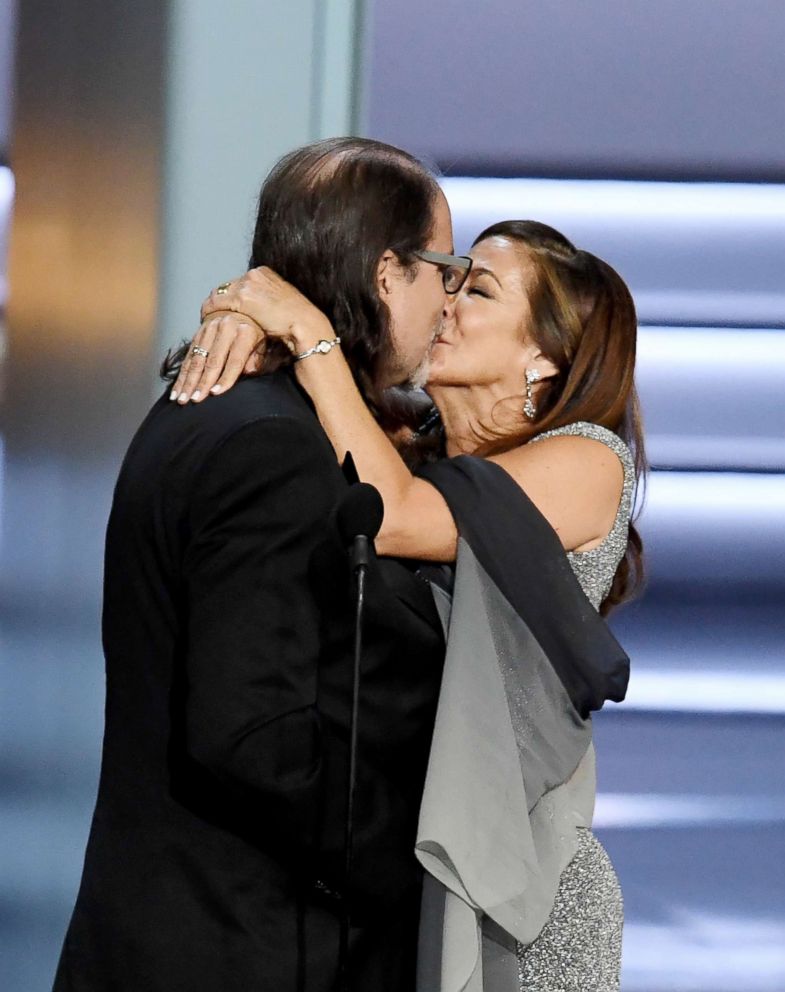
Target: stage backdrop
[{"x": 654, "y": 135}]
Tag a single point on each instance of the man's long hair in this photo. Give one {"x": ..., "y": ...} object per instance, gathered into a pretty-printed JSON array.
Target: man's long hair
[{"x": 327, "y": 213}]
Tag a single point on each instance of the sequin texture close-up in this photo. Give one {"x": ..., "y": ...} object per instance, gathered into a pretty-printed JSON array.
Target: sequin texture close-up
[
  {"x": 595, "y": 569},
  {"x": 579, "y": 948}
]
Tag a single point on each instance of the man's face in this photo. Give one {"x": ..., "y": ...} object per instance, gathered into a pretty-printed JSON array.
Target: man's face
[{"x": 416, "y": 304}]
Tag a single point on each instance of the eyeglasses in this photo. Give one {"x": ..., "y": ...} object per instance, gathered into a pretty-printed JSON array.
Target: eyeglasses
[{"x": 455, "y": 268}]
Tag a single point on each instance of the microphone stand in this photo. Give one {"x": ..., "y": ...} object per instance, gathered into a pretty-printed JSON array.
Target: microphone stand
[{"x": 360, "y": 556}]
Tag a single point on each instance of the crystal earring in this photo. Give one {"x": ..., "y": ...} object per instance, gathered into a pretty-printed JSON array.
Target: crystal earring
[{"x": 532, "y": 376}]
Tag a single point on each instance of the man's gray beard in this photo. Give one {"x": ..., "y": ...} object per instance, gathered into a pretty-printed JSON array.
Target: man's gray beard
[
  {"x": 419, "y": 377},
  {"x": 421, "y": 374}
]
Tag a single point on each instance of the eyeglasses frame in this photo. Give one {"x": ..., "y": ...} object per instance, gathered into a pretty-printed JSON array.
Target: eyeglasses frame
[{"x": 448, "y": 261}]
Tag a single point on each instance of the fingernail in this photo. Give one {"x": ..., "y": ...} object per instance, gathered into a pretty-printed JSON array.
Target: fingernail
[
  {"x": 196, "y": 395},
  {"x": 173, "y": 394},
  {"x": 182, "y": 398},
  {"x": 217, "y": 388}
]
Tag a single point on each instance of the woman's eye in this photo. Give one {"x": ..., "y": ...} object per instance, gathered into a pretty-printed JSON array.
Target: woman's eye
[{"x": 476, "y": 291}]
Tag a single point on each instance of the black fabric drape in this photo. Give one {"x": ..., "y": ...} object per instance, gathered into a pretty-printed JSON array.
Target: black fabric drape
[{"x": 520, "y": 551}]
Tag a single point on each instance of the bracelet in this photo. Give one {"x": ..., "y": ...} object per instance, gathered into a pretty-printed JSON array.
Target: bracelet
[{"x": 320, "y": 348}]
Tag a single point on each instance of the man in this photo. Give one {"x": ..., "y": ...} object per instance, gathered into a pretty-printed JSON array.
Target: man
[{"x": 216, "y": 848}]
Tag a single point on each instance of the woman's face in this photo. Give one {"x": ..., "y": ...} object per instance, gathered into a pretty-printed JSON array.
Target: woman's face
[{"x": 485, "y": 339}]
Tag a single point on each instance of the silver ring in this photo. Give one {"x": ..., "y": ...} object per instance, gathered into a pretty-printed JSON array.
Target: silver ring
[
  {"x": 196, "y": 350},
  {"x": 223, "y": 288}
]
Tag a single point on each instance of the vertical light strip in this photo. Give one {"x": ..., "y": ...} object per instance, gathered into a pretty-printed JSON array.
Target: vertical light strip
[
  {"x": 241, "y": 91},
  {"x": 337, "y": 52},
  {"x": 317, "y": 67}
]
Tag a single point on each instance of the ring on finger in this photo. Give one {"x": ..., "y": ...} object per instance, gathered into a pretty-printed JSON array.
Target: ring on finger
[
  {"x": 196, "y": 350},
  {"x": 223, "y": 288}
]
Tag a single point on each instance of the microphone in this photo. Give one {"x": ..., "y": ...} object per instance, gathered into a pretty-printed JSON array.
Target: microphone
[{"x": 358, "y": 519}]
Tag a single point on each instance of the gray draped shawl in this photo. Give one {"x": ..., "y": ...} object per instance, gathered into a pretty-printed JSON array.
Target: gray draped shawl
[{"x": 511, "y": 770}]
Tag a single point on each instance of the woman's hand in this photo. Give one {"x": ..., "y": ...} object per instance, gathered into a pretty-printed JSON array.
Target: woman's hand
[
  {"x": 417, "y": 522},
  {"x": 236, "y": 317},
  {"x": 232, "y": 343},
  {"x": 274, "y": 305}
]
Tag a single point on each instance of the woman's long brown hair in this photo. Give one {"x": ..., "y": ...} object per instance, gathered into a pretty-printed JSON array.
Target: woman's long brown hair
[{"x": 583, "y": 320}]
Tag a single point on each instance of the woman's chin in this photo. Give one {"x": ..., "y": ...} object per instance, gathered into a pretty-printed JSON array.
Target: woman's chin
[{"x": 442, "y": 375}]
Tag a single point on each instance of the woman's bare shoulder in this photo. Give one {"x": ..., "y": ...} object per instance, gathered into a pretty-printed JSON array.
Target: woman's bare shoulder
[{"x": 575, "y": 481}]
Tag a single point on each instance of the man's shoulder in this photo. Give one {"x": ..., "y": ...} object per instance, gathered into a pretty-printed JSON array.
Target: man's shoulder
[
  {"x": 178, "y": 440},
  {"x": 251, "y": 399}
]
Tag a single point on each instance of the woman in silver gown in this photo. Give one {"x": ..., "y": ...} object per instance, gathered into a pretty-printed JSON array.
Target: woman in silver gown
[{"x": 531, "y": 370}]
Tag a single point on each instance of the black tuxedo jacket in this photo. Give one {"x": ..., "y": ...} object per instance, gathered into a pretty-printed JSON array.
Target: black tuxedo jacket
[{"x": 217, "y": 839}]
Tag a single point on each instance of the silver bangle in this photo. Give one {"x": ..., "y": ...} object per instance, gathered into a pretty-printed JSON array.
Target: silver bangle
[{"x": 320, "y": 348}]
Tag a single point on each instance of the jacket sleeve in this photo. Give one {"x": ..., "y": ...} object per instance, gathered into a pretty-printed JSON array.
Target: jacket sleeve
[
  {"x": 252, "y": 715},
  {"x": 253, "y": 627}
]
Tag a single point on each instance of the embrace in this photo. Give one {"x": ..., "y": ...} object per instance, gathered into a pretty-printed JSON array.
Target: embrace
[{"x": 215, "y": 858}]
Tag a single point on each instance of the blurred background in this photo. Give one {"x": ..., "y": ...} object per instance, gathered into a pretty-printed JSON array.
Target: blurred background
[{"x": 134, "y": 138}]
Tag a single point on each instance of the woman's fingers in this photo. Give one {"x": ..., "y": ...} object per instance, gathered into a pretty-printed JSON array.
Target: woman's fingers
[
  {"x": 243, "y": 356},
  {"x": 261, "y": 296},
  {"x": 180, "y": 380},
  {"x": 229, "y": 340},
  {"x": 198, "y": 358},
  {"x": 218, "y": 298},
  {"x": 185, "y": 368},
  {"x": 225, "y": 336},
  {"x": 254, "y": 364}
]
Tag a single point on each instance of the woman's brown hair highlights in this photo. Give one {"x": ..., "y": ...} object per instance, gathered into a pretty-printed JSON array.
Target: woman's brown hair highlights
[{"x": 583, "y": 320}]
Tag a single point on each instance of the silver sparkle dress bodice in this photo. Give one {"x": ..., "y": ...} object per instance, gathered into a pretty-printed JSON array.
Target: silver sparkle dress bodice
[
  {"x": 579, "y": 948},
  {"x": 595, "y": 569}
]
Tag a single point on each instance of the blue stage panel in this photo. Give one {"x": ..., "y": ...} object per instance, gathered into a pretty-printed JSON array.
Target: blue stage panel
[{"x": 692, "y": 253}]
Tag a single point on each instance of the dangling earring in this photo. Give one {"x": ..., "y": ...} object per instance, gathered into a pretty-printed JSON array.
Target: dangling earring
[{"x": 532, "y": 376}]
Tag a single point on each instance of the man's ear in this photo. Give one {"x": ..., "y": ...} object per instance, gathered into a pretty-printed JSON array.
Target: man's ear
[{"x": 384, "y": 273}]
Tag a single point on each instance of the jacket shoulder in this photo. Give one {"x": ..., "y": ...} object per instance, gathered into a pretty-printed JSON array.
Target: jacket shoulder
[
  {"x": 256, "y": 398},
  {"x": 174, "y": 442}
]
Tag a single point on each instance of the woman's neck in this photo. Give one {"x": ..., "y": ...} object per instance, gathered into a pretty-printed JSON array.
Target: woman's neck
[{"x": 467, "y": 412}]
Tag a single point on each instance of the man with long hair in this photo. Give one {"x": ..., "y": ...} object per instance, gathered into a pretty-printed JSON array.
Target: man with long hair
[{"x": 214, "y": 859}]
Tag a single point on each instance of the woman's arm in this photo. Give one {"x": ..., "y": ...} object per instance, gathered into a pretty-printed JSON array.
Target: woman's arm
[
  {"x": 574, "y": 482},
  {"x": 417, "y": 522}
]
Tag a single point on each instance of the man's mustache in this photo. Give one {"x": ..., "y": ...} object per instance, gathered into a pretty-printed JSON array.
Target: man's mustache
[
  {"x": 419, "y": 377},
  {"x": 436, "y": 335}
]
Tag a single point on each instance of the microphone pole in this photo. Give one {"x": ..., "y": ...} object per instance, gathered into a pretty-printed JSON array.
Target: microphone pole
[{"x": 359, "y": 518}]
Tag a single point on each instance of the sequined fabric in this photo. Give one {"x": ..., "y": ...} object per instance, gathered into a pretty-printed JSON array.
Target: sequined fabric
[
  {"x": 579, "y": 948},
  {"x": 595, "y": 569}
]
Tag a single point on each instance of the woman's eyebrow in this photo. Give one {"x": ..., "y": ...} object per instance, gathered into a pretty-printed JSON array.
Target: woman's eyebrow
[{"x": 487, "y": 272}]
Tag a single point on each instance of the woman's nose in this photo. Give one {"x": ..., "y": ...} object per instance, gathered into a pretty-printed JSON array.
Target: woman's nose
[{"x": 448, "y": 311}]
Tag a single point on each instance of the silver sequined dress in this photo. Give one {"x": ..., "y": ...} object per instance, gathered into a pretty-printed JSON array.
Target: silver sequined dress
[{"x": 579, "y": 948}]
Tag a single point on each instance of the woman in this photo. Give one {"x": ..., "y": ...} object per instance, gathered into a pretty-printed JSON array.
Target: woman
[{"x": 532, "y": 371}]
